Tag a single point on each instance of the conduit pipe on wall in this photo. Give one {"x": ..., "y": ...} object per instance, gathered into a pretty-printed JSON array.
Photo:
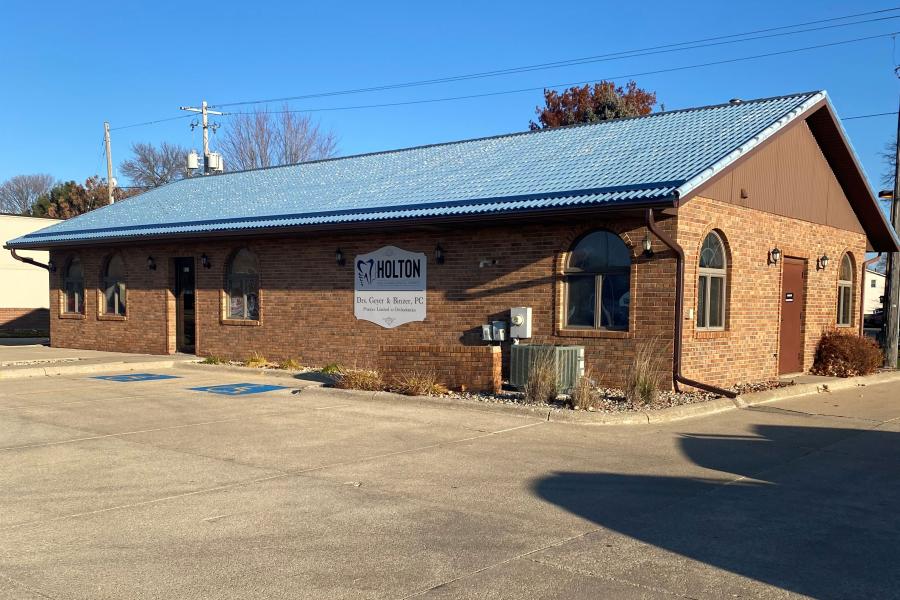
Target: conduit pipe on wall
[
  {"x": 677, "y": 377},
  {"x": 862, "y": 295},
  {"x": 28, "y": 261}
]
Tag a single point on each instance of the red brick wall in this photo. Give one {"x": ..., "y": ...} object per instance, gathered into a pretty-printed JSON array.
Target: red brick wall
[
  {"x": 457, "y": 367},
  {"x": 306, "y": 303},
  {"x": 19, "y": 319},
  {"x": 747, "y": 349}
]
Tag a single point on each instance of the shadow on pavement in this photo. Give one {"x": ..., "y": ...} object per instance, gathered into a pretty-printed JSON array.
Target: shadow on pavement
[{"x": 818, "y": 514}]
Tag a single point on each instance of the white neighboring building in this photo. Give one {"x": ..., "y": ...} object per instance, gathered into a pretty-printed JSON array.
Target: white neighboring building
[
  {"x": 24, "y": 300},
  {"x": 874, "y": 290}
]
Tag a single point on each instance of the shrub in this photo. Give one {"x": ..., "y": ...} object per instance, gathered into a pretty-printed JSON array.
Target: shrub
[
  {"x": 213, "y": 360},
  {"x": 332, "y": 369},
  {"x": 418, "y": 383},
  {"x": 641, "y": 381},
  {"x": 542, "y": 386},
  {"x": 290, "y": 365},
  {"x": 359, "y": 379},
  {"x": 584, "y": 394},
  {"x": 846, "y": 354},
  {"x": 257, "y": 361}
]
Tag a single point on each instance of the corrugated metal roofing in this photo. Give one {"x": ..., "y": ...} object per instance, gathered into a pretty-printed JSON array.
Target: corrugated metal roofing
[{"x": 638, "y": 160}]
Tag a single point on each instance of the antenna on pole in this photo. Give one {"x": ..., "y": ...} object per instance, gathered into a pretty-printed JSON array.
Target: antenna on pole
[
  {"x": 110, "y": 184},
  {"x": 212, "y": 161}
]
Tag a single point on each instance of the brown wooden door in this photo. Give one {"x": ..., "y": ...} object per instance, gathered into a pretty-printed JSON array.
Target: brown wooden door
[{"x": 793, "y": 305}]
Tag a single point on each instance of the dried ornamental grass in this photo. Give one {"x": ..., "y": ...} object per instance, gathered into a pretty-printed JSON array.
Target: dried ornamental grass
[
  {"x": 418, "y": 383},
  {"x": 359, "y": 379},
  {"x": 542, "y": 386},
  {"x": 585, "y": 395},
  {"x": 642, "y": 379}
]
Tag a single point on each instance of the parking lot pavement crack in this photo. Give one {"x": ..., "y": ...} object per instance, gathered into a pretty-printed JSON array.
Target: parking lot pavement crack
[
  {"x": 595, "y": 575},
  {"x": 28, "y": 588}
]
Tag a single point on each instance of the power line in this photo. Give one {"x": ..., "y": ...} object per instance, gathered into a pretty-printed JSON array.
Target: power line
[
  {"x": 561, "y": 85},
  {"x": 662, "y": 49},
  {"x": 884, "y": 114},
  {"x": 149, "y": 122}
]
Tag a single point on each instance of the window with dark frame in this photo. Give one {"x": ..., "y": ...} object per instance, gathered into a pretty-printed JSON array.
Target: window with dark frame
[
  {"x": 845, "y": 292},
  {"x": 114, "y": 286},
  {"x": 73, "y": 287},
  {"x": 598, "y": 283},
  {"x": 242, "y": 287},
  {"x": 711, "y": 283}
]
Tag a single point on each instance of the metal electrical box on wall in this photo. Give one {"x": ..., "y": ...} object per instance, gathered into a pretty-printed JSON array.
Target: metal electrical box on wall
[{"x": 520, "y": 322}]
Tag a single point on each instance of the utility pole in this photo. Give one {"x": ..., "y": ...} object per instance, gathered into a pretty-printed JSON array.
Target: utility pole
[
  {"x": 204, "y": 119},
  {"x": 892, "y": 293},
  {"x": 109, "y": 177}
]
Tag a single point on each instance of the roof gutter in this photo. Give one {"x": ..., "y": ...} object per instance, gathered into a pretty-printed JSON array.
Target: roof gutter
[
  {"x": 862, "y": 296},
  {"x": 28, "y": 261},
  {"x": 677, "y": 376}
]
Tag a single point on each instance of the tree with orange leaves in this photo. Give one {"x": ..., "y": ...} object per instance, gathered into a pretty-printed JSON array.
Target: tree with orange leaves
[{"x": 590, "y": 104}]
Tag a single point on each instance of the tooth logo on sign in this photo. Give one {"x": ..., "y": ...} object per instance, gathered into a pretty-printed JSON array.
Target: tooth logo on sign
[{"x": 390, "y": 287}]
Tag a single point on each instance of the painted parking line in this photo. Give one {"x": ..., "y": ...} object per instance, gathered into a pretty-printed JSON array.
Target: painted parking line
[
  {"x": 135, "y": 377},
  {"x": 239, "y": 389}
]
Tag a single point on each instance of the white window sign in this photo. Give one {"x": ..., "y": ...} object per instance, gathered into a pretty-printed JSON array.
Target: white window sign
[{"x": 390, "y": 286}]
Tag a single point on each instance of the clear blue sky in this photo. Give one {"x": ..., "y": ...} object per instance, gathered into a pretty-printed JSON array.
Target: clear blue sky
[{"x": 65, "y": 67}]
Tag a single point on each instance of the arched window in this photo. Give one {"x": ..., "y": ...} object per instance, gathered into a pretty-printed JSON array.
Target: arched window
[
  {"x": 711, "y": 283},
  {"x": 114, "y": 286},
  {"x": 845, "y": 292},
  {"x": 73, "y": 286},
  {"x": 242, "y": 286},
  {"x": 598, "y": 275}
]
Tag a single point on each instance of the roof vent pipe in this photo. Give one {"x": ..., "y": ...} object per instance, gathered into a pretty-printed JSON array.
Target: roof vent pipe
[
  {"x": 735, "y": 101},
  {"x": 677, "y": 377}
]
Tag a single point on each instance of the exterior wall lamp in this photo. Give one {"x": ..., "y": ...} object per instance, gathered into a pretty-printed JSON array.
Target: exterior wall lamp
[
  {"x": 774, "y": 256},
  {"x": 648, "y": 246},
  {"x": 339, "y": 258},
  {"x": 151, "y": 264},
  {"x": 204, "y": 260},
  {"x": 822, "y": 262},
  {"x": 438, "y": 254}
]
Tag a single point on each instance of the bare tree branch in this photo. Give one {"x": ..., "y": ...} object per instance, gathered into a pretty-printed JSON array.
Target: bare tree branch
[
  {"x": 154, "y": 166},
  {"x": 264, "y": 139},
  {"x": 18, "y": 194}
]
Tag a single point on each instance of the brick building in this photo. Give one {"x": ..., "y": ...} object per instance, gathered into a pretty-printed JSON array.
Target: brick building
[{"x": 730, "y": 236}]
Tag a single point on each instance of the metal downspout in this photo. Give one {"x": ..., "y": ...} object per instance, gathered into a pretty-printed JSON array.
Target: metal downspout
[
  {"x": 862, "y": 295},
  {"x": 26, "y": 260},
  {"x": 677, "y": 377}
]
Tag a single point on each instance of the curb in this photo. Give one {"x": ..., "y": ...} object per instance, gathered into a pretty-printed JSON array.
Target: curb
[
  {"x": 279, "y": 373},
  {"x": 654, "y": 417},
  {"x": 83, "y": 367}
]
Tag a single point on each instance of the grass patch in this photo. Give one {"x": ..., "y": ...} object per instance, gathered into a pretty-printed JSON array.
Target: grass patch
[
  {"x": 332, "y": 369},
  {"x": 290, "y": 365},
  {"x": 585, "y": 395},
  {"x": 256, "y": 361},
  {"x": 213, "y": 360}
]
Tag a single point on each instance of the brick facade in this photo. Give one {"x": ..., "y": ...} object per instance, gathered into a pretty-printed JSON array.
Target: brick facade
[
  {"x": 747, "y": 350},
  {"x": 24, "y": 319},
  {"x": 306, "y": 300}
]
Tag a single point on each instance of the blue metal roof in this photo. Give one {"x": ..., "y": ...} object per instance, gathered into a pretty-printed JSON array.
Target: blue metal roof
[{"x": 647, "y": 159}]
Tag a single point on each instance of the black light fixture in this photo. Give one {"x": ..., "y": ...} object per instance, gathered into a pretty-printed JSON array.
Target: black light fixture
[
  {"x": 151, "y": 264},
  {"x": 339, "y": 257},
  {"x": 204, "y": 260},
  {"x": 438, "y": 254},
  {"x": 51, "y": 266},
  {"x": 822, "y": 262},
  {"x": 648, "y": 246},
  {"x": 774, "y": 255}
]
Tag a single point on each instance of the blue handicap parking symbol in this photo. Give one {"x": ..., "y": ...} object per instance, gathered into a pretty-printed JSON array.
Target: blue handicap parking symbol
[
  {"x": 238, "y": 389},
  {"x": 135, "y": 377}
]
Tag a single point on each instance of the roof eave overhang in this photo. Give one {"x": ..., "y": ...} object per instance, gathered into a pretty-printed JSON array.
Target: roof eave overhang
[{"x": 442, "y": 221}]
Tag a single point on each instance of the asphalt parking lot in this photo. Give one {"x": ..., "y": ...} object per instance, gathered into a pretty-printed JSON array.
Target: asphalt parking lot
[{"x": 150, "y": 489}]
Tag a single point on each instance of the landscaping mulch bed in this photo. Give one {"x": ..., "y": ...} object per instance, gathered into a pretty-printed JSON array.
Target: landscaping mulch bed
[{"x": 612, "y": 400}]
